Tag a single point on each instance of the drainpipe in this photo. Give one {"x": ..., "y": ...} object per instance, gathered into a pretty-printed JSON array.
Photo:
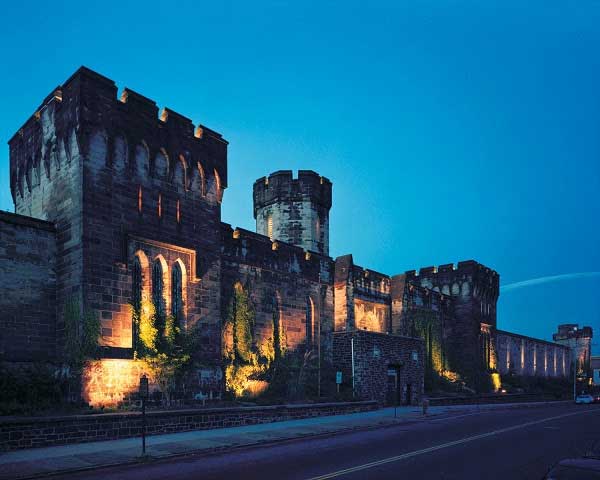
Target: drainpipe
[{"x": 352, "y": 349}]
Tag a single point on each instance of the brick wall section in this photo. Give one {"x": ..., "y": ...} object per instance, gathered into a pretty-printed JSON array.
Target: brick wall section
[
  {"x": 29, "y": 432},
  {"x": 374, "y": 353},
  {"x": 28, "y": 300}
]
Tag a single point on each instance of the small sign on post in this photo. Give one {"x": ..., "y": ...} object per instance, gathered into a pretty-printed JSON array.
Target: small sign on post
[
  {"x": 143, "y": 392},
  {"x": 338, "y": 380}
]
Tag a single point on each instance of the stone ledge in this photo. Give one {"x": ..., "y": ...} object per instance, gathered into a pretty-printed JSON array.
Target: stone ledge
[{"x": 25, "y": 221}]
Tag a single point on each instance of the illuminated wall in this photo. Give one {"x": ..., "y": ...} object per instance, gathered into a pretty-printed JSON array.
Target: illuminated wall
[
  {"x": 371, "y": 316},
  {"x": 520, "y": 355},
  {"x": 110, "y": 382}
]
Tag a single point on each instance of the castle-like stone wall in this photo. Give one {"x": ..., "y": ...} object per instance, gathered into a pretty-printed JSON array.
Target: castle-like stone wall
[
  {"x": 28, "y": 300},
  {"x": 521, "y": 355},
  {"x": 117, "y": 179},
  {"x": 474, "y": 290},
  {"x": 362, "y": 297},
  {"x": 579, "y": 340},
  {"x": 284, "y": 283},
  {"x": 114, "y": 184}
]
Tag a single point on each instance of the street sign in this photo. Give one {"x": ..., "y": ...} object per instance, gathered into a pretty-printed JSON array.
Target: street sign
[
  {"x": 143, "y": 391},
  {"x": 338, "y": 377}
]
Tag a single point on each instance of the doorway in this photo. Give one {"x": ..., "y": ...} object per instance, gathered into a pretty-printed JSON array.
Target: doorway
[
  {"x": 393, "y": 394},
  {"x": 408, "y": 396}
]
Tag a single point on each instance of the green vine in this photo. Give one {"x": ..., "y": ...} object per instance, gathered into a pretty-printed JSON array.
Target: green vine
[
  {"x": 82, "y": 331},
  {"x": 249, "y": 360}
]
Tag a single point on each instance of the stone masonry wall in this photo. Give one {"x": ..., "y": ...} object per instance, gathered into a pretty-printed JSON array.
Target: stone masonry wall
[
  {"x": 474, "y": 289},
  {"x": 297, "y": 209},
  {"x": 46, "y": 183},
  {"x": 28, "y": 300},
  {"x": 284, "y": 281},
  {"x": 374, "y": 355},
  {"x": 528, "y": 356}
]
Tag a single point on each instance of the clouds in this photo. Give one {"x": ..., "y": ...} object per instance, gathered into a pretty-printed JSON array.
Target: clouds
[{"x": 549, "y": 279}]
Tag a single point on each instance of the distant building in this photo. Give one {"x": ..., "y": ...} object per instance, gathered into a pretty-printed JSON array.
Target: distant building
[
  {"x": 580, "y": 342},
  {"x": 596, "y": 370}
]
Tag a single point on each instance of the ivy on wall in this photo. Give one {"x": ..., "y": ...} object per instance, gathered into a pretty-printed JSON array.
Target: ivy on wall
[
  {"x": 164, "y": 348},
  {"x": 250, "y": 360},
  {"x": 82, "y": 330}
]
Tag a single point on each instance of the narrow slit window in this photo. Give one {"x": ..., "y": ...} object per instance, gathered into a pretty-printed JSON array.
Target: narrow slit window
[
  {"x": 157, "y": 288},
  {"x": 178, "y": 211},
  {"x": 177, "y": 293},
  {"x": 159, "y": 205},
  {"x": 140, "y": 199},
  {"x": 270, "y": 227}
]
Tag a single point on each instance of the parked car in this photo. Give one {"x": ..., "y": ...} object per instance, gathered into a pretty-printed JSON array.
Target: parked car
[
  {"x": 584, "y": 398},
  {"x": 575, "y": 468}
]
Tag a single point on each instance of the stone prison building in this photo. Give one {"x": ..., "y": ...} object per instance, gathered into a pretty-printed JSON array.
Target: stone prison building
[{"x": 115, "y": 203}]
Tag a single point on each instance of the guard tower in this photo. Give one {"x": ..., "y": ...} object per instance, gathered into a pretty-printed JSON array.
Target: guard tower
[{"x": 294, "y": 210}]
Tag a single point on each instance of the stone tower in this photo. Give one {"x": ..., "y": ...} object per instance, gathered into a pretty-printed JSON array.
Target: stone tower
[
  {"x": 119, "y": 182},
  {"x": 294, "y": 210}
]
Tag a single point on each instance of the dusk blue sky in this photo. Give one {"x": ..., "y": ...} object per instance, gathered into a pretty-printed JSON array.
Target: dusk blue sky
[{"x": 451, "y": 130}]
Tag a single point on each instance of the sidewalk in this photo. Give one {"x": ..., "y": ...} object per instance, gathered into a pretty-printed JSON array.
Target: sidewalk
[{"x": 21, "y": 464}]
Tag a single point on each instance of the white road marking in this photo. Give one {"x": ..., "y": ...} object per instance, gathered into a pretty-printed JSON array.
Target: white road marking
[
  {"x": 377, "y": 463},
  {"x": 455, "y": 416}
]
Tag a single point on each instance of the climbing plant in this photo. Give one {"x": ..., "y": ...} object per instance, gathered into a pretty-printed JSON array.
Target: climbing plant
[
  {"x": 250, "y": 359},
  {"x": 82, "y": 330},
  {"x": 167, "y": 353}
]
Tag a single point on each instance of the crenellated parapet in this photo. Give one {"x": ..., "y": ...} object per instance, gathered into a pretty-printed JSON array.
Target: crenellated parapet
[
  {"x": 253, "y": 249},
  {"x": 84, "y": 116},
  {"x": 281, "y": 186},
  {"x": 465, "y": 278}
]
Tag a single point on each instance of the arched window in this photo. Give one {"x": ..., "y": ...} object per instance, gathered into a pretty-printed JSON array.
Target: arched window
[
  {"x": 177, "y": 293},
  {"x": 136, "y": 293},
  {"x": 136, "y": 284},
  {"x": 157, "y": 288},
  {"x": 270, "y": 227}
]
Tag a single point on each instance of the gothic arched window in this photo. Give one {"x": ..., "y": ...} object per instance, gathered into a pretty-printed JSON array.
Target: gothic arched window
[
  {"x": 136, "y": 283},
  {"x": 157, "y": 288},
  {"x": 177, "y": 292},
  {"x": 136, "y": 293}
]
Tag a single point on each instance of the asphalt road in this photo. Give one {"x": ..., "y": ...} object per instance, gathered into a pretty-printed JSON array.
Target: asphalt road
[{"x": 503, "y": 443}]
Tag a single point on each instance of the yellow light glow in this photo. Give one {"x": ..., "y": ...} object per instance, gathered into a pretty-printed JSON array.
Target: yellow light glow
[
  {"x": 496, "y": 382},
  {"x": 108, "y": 382}
]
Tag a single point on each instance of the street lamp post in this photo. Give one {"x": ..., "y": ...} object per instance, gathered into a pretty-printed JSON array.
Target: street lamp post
[{"x": 143, "y": 391}]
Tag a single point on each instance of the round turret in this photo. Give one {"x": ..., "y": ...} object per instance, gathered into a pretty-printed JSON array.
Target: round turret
[{"x": 294, "y": 210}]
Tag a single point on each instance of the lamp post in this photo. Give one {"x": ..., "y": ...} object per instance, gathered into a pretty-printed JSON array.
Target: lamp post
[{"x": 143, "y": 392}]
